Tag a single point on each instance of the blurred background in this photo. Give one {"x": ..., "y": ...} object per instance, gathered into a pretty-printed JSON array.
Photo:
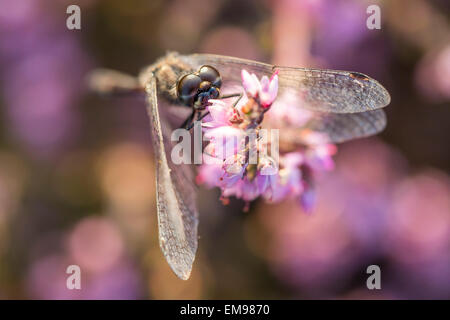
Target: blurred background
[{"x": 77, "y": 174}]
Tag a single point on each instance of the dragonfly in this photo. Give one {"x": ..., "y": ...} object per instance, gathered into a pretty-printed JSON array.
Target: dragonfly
[{"x": 345, "y": 105}]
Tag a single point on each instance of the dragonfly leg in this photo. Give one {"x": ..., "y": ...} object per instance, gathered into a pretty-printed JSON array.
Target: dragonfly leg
[
  {"x": 199, "y": 118},
  {"x": 237, "y": 100},
  {"x": 187, "y": 124},
  {"x": 232, "y": 95}
]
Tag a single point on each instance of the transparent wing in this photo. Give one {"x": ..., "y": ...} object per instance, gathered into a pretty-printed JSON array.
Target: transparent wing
[
  {"x": 334, "y": 91},
  {"x": 319, "y": 90},
  {"x": 177, "y": 212},
  {"x": 345, "y": 104},
  {"x": 339, "y": 127}
]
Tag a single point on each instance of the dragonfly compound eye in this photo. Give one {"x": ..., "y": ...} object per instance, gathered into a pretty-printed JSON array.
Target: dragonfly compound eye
[
  {"x": 210, "y": 74},
  {"x": 188, "y": 87}
]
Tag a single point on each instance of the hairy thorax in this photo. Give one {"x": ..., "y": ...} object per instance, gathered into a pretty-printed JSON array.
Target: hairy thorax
[{"x": 167, "y": 71}]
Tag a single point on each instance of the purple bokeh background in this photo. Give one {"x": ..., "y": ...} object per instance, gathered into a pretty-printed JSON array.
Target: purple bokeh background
[{"x": 77, "y": 173}]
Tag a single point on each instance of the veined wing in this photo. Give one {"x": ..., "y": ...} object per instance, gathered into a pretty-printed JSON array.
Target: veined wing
[
  {"x": 177, "y": 212},
  {"x": 334, "y": 91},
  {"x": 318, "y": 90},
  {"x": 339, "y": 127},
  {"x": 346, "y": 105}
]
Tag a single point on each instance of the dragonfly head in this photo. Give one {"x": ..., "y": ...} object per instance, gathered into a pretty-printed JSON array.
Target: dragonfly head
[{"x": 195, "y": 89}]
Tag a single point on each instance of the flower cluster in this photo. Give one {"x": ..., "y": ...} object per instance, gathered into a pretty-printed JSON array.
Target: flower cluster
[{"x": 237, "y": 158}]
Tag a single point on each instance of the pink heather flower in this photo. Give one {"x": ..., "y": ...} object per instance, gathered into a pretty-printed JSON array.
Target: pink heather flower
[
  {"x": 210, "y": 172},
  {"x": 320, "y": 152},
  {"x": 267, "y": 166},
  {"x": 288, "y": 182},
  {"x": 224, "y": 141},
  {"x": 250, "y": 83},
  {"x": 243, "y": 189},
  {"x": 219, "y": 114},
  {"x": 226, "y": 158},
  {"x": 308, "y": 199},
  {"x": 287, "y": 110},
  {"x": 265, "y": 90}
]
